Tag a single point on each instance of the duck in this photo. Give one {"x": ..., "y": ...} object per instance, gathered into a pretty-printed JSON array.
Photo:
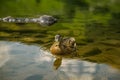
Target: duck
[{"x": 63, "y": 45}]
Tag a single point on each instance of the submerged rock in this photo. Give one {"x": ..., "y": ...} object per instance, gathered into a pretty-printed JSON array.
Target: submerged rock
[
  {"x": 114, "y": 43},
  {"x": 92, "y": 52}
]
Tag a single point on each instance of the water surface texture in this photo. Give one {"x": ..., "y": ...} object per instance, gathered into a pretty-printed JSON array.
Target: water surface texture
[
  {"x": 24, "y": 47},
  {"x": 25, "y": 62}
]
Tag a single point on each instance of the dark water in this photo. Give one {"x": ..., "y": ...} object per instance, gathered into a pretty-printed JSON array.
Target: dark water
[{"x": 24, "y": 48}]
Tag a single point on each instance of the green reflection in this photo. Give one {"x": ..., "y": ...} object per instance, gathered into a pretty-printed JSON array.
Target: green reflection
[{"x": 94, "y": 24}]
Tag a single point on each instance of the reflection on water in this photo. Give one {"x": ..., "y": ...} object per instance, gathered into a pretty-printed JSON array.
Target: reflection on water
[
  {"x": 4, "y": 57},
  {"x": 27, "y": 62},
  {"x": 94, "y": 25}
]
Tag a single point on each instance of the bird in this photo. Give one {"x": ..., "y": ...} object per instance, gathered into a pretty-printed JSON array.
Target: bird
[{"x": 63, "y": 45}]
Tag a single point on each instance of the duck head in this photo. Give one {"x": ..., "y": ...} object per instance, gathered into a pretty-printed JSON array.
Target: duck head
[{"x": 58, "y": 38}]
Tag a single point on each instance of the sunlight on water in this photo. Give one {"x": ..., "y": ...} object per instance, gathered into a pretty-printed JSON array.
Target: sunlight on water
[{"x": 29, "y": 62}]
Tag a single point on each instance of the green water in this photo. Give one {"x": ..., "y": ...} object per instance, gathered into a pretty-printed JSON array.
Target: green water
[{"x": 94, "y": 24}]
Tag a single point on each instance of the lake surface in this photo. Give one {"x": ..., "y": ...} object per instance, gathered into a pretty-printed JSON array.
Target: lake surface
[
  {"x": 28, "y": 62},
  {"x": 24, "y": 48}
]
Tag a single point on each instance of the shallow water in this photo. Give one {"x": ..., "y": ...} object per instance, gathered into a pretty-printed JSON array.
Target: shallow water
[{"x": 29, "y": 62}]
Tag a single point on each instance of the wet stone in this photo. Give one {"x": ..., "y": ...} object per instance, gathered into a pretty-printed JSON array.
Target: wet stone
[{"x": 44, "y": 20}]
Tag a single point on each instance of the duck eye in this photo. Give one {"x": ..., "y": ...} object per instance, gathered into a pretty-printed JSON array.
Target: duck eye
[{"x": 56, "y": 45}]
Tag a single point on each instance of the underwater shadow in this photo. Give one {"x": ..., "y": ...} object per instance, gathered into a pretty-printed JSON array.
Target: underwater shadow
[{"x": 71, "y": 5}]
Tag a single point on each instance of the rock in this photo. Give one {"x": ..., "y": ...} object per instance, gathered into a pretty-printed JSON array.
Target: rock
[
  {"x": 44, "y": 20},
  {"x": 47, "y": 20}
]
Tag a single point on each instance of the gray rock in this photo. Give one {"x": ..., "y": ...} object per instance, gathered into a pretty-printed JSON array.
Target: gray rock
[
  {"x": 47, "y": 20},
  {"x": 44, "y": 20}
]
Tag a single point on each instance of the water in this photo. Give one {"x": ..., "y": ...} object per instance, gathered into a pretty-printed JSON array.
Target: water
[
  {"x": 24, "y": 48},
  {"x": 28, "y": 62}
]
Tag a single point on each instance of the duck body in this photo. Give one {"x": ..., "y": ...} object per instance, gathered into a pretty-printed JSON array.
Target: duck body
[{"x": 63, "y": 45}]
